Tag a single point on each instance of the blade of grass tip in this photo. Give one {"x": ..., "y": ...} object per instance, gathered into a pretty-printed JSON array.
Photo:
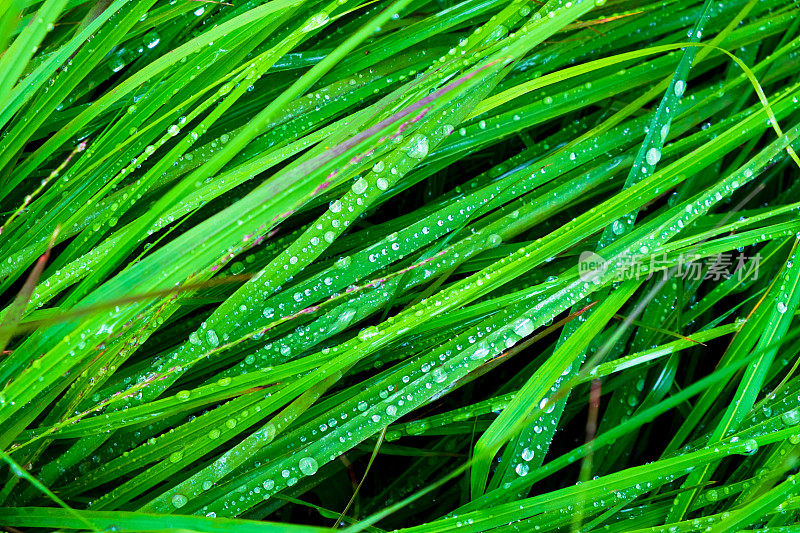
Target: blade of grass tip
[
  {"x": 639, "y": 308},
  {"x": 366, "y": 471},
  {"x": 626, "y": 325},
  {"x": 16, "y": 310},
  {"x": 657, "y": 287},
  {"x": 608, "y": 438},
  {"x": 518, "y": 412},
  {"x": 21, "y": 472},
  {"x": 30, "y": 325},
  {"x": 644, "y": 164},
  {"x": 785, "y": 298},
  {"x": 28, "y": 198},
  {"x": 650, "y": 414}
]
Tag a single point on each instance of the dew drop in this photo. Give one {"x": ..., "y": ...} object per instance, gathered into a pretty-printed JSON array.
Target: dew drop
[
  {"x": 417, "y": 147},
  {"x": 527, "y": 454},
  {"x": 308, "y": 466},
  {"x": 316, "y": 21},
  {"x": 359, "y": 186},
  {"x": 750, "y": 446},
  {"x": 524, "y": 327},
  {"x": 151, "y": 39},
  {"x": 791, "y": 418},
  {"x": 653, "y": 155},
  {"x": 268, "y": 432}
]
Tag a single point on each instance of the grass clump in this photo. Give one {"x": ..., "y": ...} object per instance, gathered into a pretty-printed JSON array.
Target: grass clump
[{"x": 419, "y": 265}]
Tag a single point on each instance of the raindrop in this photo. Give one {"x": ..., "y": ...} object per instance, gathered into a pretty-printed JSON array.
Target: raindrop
[
  {"x": 316, "y": 21},
  {"x": 750, "y": 446},
  {"x": 179, "y": 500},
  {"x": 359, "y": 186},
  {"x": 151, "y": 39},
  {"x": 791, "y": 418},
  {"x": 308, "y": 466},
  {"x": 524, "y": 327},
  {"x": 417, "y": 147},
  {"x": 268, "y": 432},
  {"x": 527, "y": 454},
  {"x": 653, "y": 155}
]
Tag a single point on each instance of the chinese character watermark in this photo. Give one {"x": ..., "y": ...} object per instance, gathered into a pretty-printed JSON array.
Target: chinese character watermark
[{"x": 690, "y": 267}]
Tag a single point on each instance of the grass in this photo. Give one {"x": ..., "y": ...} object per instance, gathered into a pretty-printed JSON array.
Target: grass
[{"x": 299, "y": 265}]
